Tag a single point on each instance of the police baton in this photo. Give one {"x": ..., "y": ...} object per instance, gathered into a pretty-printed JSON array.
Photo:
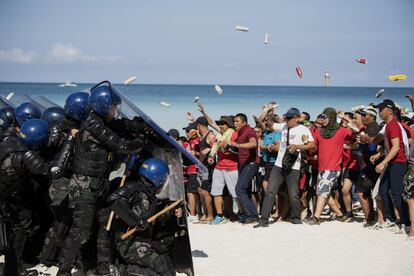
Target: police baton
[
  {"x": 131, "y": 161},
  {"x": 153, "y": 218}
]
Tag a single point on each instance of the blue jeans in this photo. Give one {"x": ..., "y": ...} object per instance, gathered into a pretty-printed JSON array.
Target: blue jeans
[
  {"x": 392, "y": 182},
  {"x": 244, "y": 189}
]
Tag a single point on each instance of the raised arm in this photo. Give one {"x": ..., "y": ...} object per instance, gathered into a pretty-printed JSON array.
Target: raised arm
[
  {"x": 260, "y": 124},
  {"x": 210, "y": 121},
  {"x": 411, "y": 99},
  {"x": 266, "y": 111}
]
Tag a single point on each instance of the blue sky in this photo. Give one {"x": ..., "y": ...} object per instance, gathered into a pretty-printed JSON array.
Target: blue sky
[{"x": 194, "y": 42}]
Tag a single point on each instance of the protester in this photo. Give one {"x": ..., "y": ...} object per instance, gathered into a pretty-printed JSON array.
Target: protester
[
  {"x": 193, "y": 182},
  {"x": 329, "y": 140},
  {"x": 225, "y": 172},
  {"x": 286, "y": 169},
  {"x": 350, "y": 168},
  {"x": 368, "y": 176},
  {"x": 248, "y": 165},
  {"x": 207, "y": 139},
  {"x": 304, "y": 116},
  {"x": 394, "y": 164},
  {"x": 270, "y": 147},
  {"x": 408, "y": 192}
]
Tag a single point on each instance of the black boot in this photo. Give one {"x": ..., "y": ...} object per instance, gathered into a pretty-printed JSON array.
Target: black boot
[{"x": 262, "y": 223}]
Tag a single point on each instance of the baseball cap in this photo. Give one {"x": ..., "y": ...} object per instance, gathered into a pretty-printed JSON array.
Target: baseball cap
[
  {"x": 228, "y": 120},
  {"x": 174, "y": 133},
  {"x": 202, "y": 121},
  {"x": 368, "y": 110},
  {"x": 292, "y": 112},
  {"x": 385, "y": 103},
  {"x": 190, "y": 127}
]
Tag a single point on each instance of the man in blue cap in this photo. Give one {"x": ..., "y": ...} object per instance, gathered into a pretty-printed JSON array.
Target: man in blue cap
[{"x": 287, "y": 166}]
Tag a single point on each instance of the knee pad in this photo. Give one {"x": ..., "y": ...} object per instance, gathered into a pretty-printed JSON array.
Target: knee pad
[{"x": 83, "y": 216}]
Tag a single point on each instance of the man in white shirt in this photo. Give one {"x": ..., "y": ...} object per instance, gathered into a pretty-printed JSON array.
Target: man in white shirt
[{"x": 283, "y": 171}]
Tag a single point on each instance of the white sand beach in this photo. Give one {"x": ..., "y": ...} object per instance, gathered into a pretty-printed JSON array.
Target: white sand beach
[{"x": 333, "y": 248}]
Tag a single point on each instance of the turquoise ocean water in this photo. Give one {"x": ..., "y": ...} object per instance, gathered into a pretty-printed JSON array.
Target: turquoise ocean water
[{"x": 235, "y": 99}]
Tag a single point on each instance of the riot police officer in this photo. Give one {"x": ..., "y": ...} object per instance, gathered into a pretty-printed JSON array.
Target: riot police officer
[
  {"x": 147, "y": 251},
  {"x": 94, "y": 143},
  {"x": 25, "y": 112},
  {"x": 8, "y": 123},
  {"x": 11, "y": 118},
  {"x": 19, "y": 159},
  {"x": 63, "y": 128}
]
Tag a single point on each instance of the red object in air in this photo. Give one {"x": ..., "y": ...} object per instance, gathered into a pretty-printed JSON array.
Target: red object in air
[
  {"x": 362, "y": 60},
  {"x": 299, "y": 72}
]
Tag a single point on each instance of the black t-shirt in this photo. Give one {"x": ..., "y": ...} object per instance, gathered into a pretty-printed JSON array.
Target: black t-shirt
[
  {"x": 372, "y": 129},
  {"x": 365, "y": 151}
]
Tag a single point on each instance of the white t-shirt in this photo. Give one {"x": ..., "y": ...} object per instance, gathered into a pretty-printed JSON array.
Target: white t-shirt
[{"x": 295, "y": 138}]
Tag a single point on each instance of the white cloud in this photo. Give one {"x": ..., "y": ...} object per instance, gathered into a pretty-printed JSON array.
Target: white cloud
[
  {"x": 61, "y": 53},
  {"x": 17, "y": 55}
]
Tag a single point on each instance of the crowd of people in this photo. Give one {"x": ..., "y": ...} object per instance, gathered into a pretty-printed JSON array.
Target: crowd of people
[
  {"x": 60, "y": 204},
  {"x": 291, "y": 168}
]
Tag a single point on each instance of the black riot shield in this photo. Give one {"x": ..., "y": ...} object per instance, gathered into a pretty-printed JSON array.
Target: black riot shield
[{"x": 171, "y": 151}]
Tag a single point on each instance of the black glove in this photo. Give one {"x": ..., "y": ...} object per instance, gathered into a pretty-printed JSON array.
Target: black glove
[
  {"x": 137, "y": 124},
  {"x": 142, "y": 224},
  {"x": 134, "y": 145}
]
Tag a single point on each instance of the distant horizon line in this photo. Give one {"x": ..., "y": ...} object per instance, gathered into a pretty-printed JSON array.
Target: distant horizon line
[{"x": 196, "y": 84}]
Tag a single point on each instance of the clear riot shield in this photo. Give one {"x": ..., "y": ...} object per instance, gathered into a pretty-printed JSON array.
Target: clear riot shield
[
  {"x": 19, "y": 99},
  {"x": 171, "y": 151},
  {"x": 50, "y": 111},
  {"x": 5, "y": 103},
  {"x": 23, "y": 98},
  {"x": 45, "y": 102},
  {"x": 129, "y": 110}
]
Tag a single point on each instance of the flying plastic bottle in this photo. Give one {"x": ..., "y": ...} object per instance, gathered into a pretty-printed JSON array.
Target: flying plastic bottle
[{"x": 327, "y": 78}]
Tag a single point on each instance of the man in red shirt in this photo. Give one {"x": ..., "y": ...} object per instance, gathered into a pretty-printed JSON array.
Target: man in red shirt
[
  {"x": 194, "y": 182},
  {"x": 350, "y": 169},
  {"x": 246, "y": 145},
  {"x": 329, "y": 140},
  {"x": 394, "y": 164}
]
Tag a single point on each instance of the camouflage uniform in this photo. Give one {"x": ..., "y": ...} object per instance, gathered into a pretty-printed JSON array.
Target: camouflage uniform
[{"x": 408, "y": 191}]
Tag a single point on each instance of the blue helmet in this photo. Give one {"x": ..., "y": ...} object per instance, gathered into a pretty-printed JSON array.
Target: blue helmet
[
  {"x": 26, "y": 111},
  {"x": 34, "y": 133},
  {"x": 7, "y": 118},
  {"x": 154, "y": 170},
  {"x": 77, "y": 106},
  {"x": 104, "y": 101},
  {"x": 53, "y": 115}
]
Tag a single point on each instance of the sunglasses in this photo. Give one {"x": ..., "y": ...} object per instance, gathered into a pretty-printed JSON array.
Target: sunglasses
[{"x": 322, "y": 116}]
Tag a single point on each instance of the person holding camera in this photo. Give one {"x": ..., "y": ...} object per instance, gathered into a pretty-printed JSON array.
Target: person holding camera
[{"x": 287, "y": 165}]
